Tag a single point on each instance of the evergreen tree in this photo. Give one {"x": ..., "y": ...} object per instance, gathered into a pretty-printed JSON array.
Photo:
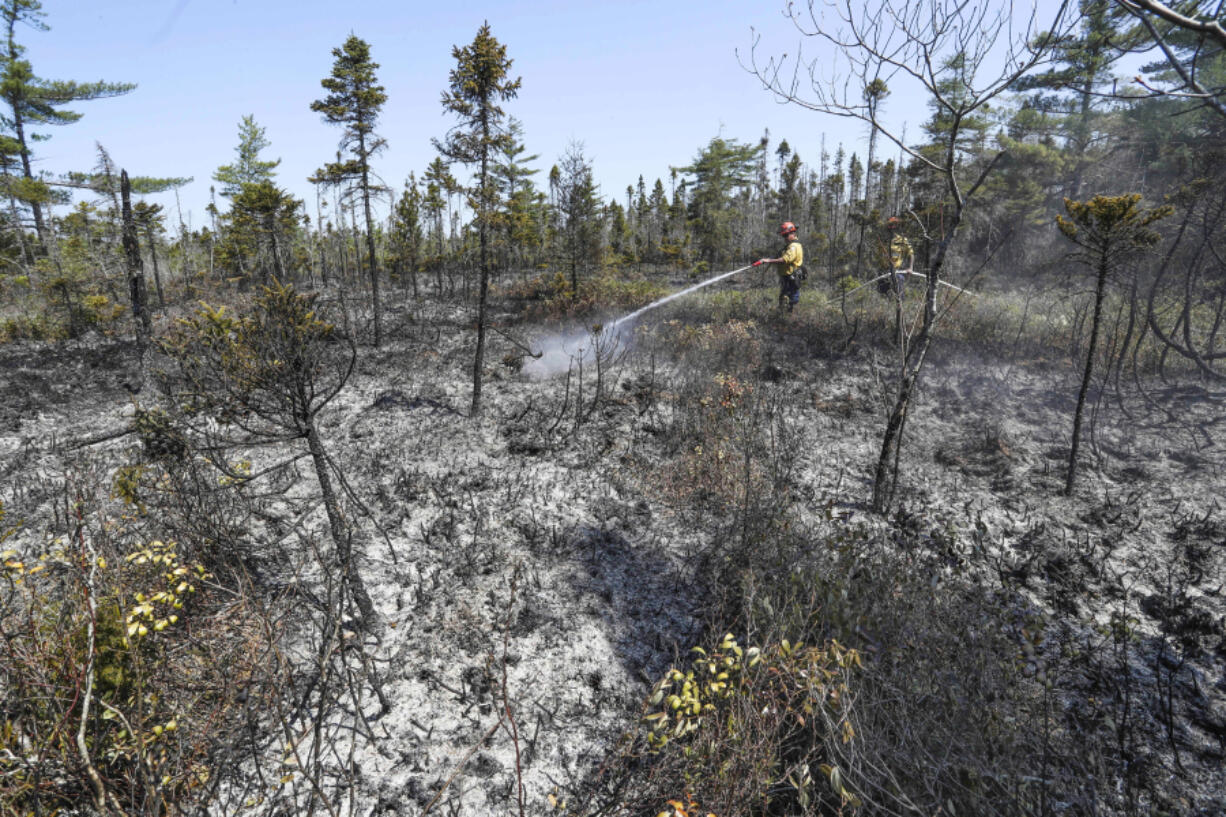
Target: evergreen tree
[
  {"x": 32, "y": 102},
  {"x": 620, "y": 239},
  {"x": 407, "y": 236},
  {"x": 149, "y": 218},
  {"x": 874, "y": 94},
  {"x": 440, "y": 185},
  {"x": 720, "y": 168},
  {"x": 1109, "y": 230},
  {"x": 657, "y": 207},
  {"x": 480, "y": 80},
  {"x": 258, "y": 231},
  {"x": 578, "y": 207},
  {"x": 248, "y": 167},
  {"x": 353, "y": 102},
  {"x": 789, "y": 189},
  {"x": 1071, "y": 90},
  {"x": 520, "y": 229}
]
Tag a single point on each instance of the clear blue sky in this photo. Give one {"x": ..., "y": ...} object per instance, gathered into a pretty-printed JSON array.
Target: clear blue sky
[{"x": 643, "y": 85}]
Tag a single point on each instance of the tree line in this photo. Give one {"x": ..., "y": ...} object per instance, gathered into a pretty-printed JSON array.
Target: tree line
[{"x": 1061, "y": 125}]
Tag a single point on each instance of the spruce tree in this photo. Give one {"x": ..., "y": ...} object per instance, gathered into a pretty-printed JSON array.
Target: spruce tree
[
  {"x": 353, "y": 102},
  {"x": 480, "y": 80},
  {"x": 720, "y": 168},
  {"x": 149, "y": 219},
  {"x": 248, "y": 167},
  {"x": 578, "y": 205},
  {"x": 33, "y": 101},
  {"x": 440, "y": 185},
  {"x": 519, "y": 222},
  {"x": 258, "y": 231},
  {"x": 407, "y": 236}
]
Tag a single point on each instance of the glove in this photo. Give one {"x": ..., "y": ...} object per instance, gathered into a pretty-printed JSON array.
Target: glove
[{"x": 757, "y": 263}]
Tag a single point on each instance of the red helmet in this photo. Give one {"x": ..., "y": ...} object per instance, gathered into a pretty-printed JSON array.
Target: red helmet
[
  {"x": 787, "y": 227},
  {"x": 893, "y": 221}
]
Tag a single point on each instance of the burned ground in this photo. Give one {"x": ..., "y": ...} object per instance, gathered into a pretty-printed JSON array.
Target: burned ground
[{"x": 575, "y": 538}]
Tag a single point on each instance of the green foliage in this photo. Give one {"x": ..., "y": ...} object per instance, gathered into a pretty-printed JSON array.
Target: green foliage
[
  {"x": 272, "y": 368},
  {"x": 742, "y": 730},
  {"x": 718, "y": 169},
  {"x": 68, "y": 298},
  {"x": 33, "y": 101},
  {"x": 551, "y": 296},
  {"x": 248, "y": 167},
  {"x": 524, "y": 218},
  {"x": 408, "y": 238},
  {"x": 353, "y": 102},
  {"x": 159, "y": 437},
  {"x": 1110, "y": 228},
  {"x": 478, "y": 82},
  {"x": 578, "y": 205},
  {"x": 257, "y": 233},
  {"x": 81, "y": 659}
]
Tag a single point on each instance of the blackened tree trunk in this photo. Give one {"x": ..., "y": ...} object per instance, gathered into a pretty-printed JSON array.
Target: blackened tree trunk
[
  {"x": 370, "y": 246},
  {"x": 885, "y": 477},
  {"x": 341, "y": 537},
  {"x": 1100, "y": 291},
  {"x": 137, "y": 289},
  {"x": 157, "y": 274},
  {"x": 484, "y": 286}
]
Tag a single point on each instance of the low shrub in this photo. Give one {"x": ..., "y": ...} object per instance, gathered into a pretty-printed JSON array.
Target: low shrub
[
  {"x": 550, "y": 296},
  {"x": 111, "y": 697},
  {"x": 744, "y": 731}
]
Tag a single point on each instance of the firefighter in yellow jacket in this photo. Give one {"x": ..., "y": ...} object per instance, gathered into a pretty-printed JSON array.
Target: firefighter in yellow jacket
[
  {"x": 893, "y": 257},
  {"x": 789, "y": 266}
]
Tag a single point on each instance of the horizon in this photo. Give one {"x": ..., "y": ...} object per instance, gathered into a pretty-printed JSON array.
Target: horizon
[{"x": 638, "y": 96}]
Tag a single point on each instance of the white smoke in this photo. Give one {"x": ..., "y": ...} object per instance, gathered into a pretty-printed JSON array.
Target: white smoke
[{"x": 561, "y": 352}]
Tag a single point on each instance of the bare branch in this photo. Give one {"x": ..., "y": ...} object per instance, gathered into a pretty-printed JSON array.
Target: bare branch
[
  {"x": 1211, "y": 28},
  {"x": 1211, "y": 99}
]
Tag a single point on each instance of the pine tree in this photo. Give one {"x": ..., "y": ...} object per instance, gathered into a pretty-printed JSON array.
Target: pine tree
[
  {"x": 480, "y": 80},
  {"x": 248, "y": 167},
  {"x": 520, "y": 229},
  {"x": 720, "y": 168},
  {"x": 1071, "y": 90},
  {"x": 407, "y": 236},
  {"x": 32, "y": 101},
  {"x": 353, "y": 102},
  {"x": 1109, "y": 230},
  {"x": 440, "y": 185},
  {"x": 578, "y": 207}
]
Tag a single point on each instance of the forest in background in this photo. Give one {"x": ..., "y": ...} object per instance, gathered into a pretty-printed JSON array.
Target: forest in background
[
  {"x": 1067, "y": 126},
  {"x": 214, "y": 548}
]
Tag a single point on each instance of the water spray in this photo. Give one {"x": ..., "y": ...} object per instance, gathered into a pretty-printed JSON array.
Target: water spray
[
  {"x": 558, "y": 353},
  {"x": 674, "y": 296}
]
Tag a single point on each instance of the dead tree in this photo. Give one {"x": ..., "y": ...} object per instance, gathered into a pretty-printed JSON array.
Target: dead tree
[
  {"x": 265, "y": 377},
  {"x": 1190, "y": 283},
  {"x": 137, "y": 289},
  {"x": 960, "y": 56}
]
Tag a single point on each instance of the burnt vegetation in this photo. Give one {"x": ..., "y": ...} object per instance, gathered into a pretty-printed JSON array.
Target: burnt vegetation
[{"x": 380, "y": 511}]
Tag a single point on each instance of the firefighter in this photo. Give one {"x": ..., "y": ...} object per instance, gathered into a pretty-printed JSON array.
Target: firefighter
[
  {"x": 789, "y": 266},
  {"x": 893, "y": 256}
]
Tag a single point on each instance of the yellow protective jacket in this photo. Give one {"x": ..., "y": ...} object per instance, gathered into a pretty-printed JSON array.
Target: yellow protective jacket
[
  {"x": 900, "y": 251},
  {"x": 792, "y": 257}
]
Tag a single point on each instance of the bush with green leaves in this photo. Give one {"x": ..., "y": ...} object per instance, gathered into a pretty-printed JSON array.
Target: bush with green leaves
[
  {"x": 110, "y": 697},
  {"x": 745, "y": 730}
]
